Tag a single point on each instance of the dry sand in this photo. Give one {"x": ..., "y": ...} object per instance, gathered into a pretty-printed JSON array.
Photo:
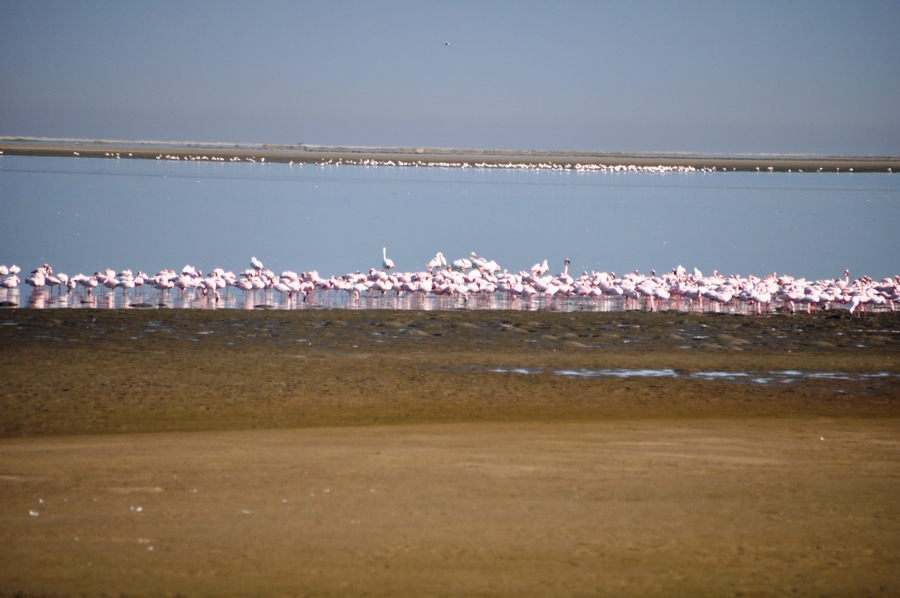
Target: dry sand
[{"x": 390, "y": 461}]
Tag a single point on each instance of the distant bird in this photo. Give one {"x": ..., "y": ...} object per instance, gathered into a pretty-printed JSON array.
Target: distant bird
[
  {"x": 52, "y": 281},
  {"x": 36, "y": 279},
  {"x": 564, "y": 275},
  {"x": 437, "y": 261},
  {"x": 125, "y": 283},
  {"x": 385, "y": 262},
  {"x": 446, "y": 43},
  {"x": 256, "y": 264},
  {"x": 491, "y": 267},
  {"x": 10, "y": 282},
  {"x": 462, "y": 264},
  {"x": 540, "y": 269}
]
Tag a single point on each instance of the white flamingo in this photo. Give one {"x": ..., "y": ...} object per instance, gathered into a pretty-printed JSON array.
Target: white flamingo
[
  {"x": 386, "y": 264},
  {"x": 437, "y": 261},
  {"x": 125, "y": 283},
  {"x": 36, "y": 280},
  {"x": 462, "y": 264},
  {"x": 10, "y": 282},
  {"x": 63, "y": 282},
  {"x": 481, "y": 284},
  {"x": 540, "y": 269}
]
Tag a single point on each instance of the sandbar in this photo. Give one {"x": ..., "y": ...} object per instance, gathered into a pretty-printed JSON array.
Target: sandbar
[{"x": 429, "y": 156}]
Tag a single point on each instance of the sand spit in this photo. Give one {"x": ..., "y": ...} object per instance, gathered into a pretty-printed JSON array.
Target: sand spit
[{"x": 442, "y": 157}]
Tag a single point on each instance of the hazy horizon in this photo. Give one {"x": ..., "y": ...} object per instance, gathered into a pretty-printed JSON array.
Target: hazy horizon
[{"x": 701, "y": 77}]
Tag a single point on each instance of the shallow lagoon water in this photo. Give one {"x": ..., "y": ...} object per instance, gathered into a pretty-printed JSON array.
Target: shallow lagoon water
[
  {"x": 84, "y": 215},
  {"x": 764, "y": 378},
  {"x": 333, "y": 299}
]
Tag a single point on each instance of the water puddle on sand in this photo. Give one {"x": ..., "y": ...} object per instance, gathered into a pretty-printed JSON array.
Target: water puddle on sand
[
  {"x": 762, "y": 378},
  {"x": 618, "y": 373},
  {"x": 516, "y": 370}
]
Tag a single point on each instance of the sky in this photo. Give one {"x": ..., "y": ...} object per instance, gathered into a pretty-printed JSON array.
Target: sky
[{"x": 709, "y": 77}]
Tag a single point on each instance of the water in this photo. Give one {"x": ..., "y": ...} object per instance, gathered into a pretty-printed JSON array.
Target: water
[
  {"x": 84, "y": 215},
  {"x": 750, "y": 377},
  {"x": 335, "y": 299}
]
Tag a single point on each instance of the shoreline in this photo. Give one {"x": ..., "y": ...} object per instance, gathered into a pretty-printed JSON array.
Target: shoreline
[
  {"x": 364, "y": 368},
  {"x": 442, "y": 157}
]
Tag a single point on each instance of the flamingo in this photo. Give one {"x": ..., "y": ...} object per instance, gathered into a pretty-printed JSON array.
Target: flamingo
[
  {"x": 283, "y": 289},
  {"x": 125, "y": 283},
  {"x": 10, "y": 282},
  {"x": 437, "y": 261},
  {"x": 63, "y": 281},
  {"x": 258, "y": 284},
  {"x": 491, "y": 266},
  {"x": 163, "y": 285},
  {"x": 386, "y": 264},
  {"x": 760, "y": 296},
  {"x": 36, "y": 280},
  {"x": 564, "y": 275},
  {"x": 462, "y": 264},
  {"x": 111, "y": 282},
  {"x": 139, "y": 281},
  {"x": 540, "y": 269},
  {"x": 244, "y": 285},
  {"x": 481, "y": 283},
  {"x": 52, "y": 281}
]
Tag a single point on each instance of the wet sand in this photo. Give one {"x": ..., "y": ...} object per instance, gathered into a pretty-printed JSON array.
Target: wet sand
[
  {"x": 758, "y": 507},
  {"x": 412, "y": 156},
  {"x": 372, "y": 453}
]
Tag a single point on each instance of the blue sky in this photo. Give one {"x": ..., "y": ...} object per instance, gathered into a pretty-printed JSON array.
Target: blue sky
[{"x": 799, "y": 77}]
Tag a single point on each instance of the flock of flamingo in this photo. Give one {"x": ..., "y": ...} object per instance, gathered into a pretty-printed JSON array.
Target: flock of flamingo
[
  {"x": 481, "y": 165},
  {"x": 473, "y": 282}
]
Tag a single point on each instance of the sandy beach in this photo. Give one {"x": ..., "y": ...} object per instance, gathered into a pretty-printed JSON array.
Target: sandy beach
[
  {"x": 423, "y": 156},
  {"x": 692, "y": 507},
  {"x": 334, "y": 453}
]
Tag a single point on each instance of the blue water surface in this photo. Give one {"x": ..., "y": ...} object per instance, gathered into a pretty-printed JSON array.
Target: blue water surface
[{"x": 84, "y": 215}]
